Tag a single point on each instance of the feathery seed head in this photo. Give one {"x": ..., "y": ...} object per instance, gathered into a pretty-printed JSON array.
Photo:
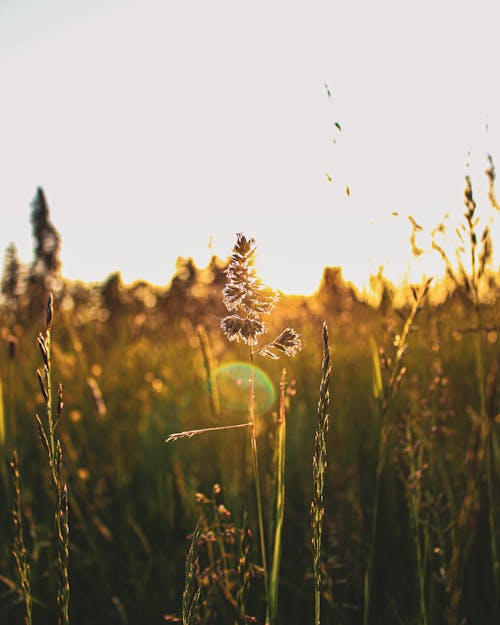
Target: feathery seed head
[
  {"x": 236, "y": 328},
  {"x": 248, "y": 298},
  {"x": 245, "y": 295},
  {"x": 288, "y": 342},
  {"x": 244, "y": 289}
]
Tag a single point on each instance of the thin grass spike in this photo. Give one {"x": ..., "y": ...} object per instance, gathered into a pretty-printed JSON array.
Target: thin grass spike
[
  {"x": 52, "y": 446},
  {"x": 319, "y": 470},
  {"x": 192, "y": 590},
  {"x": 191, "y": 433},
  {"x": 18, "y": 547}
]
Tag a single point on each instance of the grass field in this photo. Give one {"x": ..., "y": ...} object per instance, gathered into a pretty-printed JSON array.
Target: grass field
[{"x": 411, "y": 456}]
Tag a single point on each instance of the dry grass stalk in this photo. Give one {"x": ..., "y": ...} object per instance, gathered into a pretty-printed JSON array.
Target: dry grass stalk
[
  {"x": 18, "y": 547},
  {"x": 467, "y": 517},
  {"x": 386, "y": 393},
  {"x": 414, "y": 450},
  {"x": 249, "y": 300},
  {"x": 279, "y": 516},
  {"x": 478, "y": 248},
  {"x": 218, "y": 567},
  {"x": 244, "y": 564},
  {"x": 484, "y": 435},
  {"x": 192, "y": 590},
  {"x": 52, "y": 446},
  {"x": 191, "y": 433},
  {"x": 319, "y": 470}
]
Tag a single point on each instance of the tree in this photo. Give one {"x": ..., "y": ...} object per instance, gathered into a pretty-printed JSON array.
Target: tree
[
  {"x": 112, "y": 292},
  {"x": 47, "y": 242},
  {"x": 11, "y": 276},
  {"x": 44, "y": 274}
]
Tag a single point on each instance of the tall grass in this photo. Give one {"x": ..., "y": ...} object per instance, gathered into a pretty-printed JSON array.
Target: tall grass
[
  {"x": 191, "y": 594},
  {"x": 385, "y": 392},
  {"x": 319, "y": 469},
  {"x": 19, "y": 551},
  {"x": 280, "y": 464},
  {"x": 468, "y": 280},
  {"x": 422, "y": 422},
  {"x": 248, "y": 300},
  {"x": 53, "y": 448}
]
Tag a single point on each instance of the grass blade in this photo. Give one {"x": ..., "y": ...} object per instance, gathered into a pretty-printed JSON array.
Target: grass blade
[
  {"x": 280, "y": 506},
  {"x": 319, "y": 470},
  {"x": 192, "y": 590}
]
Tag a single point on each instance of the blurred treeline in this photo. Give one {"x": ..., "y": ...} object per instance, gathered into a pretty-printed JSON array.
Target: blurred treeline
[{"x": 134, "y": 363}]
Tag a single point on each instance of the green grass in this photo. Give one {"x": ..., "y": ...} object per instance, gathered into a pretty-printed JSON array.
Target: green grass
[{"x": 132, "y": 499}]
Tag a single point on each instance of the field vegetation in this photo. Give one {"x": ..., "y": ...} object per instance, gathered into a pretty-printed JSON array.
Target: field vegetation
[{"x": 362, "y": 486}]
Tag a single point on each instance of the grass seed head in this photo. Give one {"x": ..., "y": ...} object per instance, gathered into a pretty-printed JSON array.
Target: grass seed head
[{"x": 245, "y": 295}]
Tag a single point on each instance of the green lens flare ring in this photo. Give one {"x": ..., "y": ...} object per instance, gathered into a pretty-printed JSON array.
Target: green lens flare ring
[{"x": 233, "y": 383}]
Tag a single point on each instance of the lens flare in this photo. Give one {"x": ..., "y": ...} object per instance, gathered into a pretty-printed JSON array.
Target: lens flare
[{"x": 233, "y": 382}]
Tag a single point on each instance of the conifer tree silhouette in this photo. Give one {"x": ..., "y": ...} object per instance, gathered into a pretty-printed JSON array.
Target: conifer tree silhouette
[
  {"x": 11, "y": 277},
  {"x": 45, "y": 270}
]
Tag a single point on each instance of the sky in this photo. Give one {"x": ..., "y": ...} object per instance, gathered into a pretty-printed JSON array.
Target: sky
[{"x": 160, "y": 129}]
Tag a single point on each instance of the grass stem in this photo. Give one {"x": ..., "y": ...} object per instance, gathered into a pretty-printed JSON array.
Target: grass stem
[{"x": 258, "y": 493}]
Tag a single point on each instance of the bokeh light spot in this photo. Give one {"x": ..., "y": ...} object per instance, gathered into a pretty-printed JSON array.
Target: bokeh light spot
[{"x": 233, "y": 382}]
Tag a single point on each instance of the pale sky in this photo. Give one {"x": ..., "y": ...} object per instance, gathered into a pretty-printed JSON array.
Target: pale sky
[{"x": 157, "y": 127}]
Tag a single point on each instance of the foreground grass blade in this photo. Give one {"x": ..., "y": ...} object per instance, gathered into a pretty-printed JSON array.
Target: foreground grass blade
[
  {"x": 192, "y": 590},
  {"x": 53, "y": 449},
  {"x": 319, "y": 469},
  {"x": 274, "y": 577},
  {"x": 19, "y": 551}
]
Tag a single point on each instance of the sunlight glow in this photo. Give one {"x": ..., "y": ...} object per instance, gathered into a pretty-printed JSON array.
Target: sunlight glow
[{"x": 153, "y": 133}]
